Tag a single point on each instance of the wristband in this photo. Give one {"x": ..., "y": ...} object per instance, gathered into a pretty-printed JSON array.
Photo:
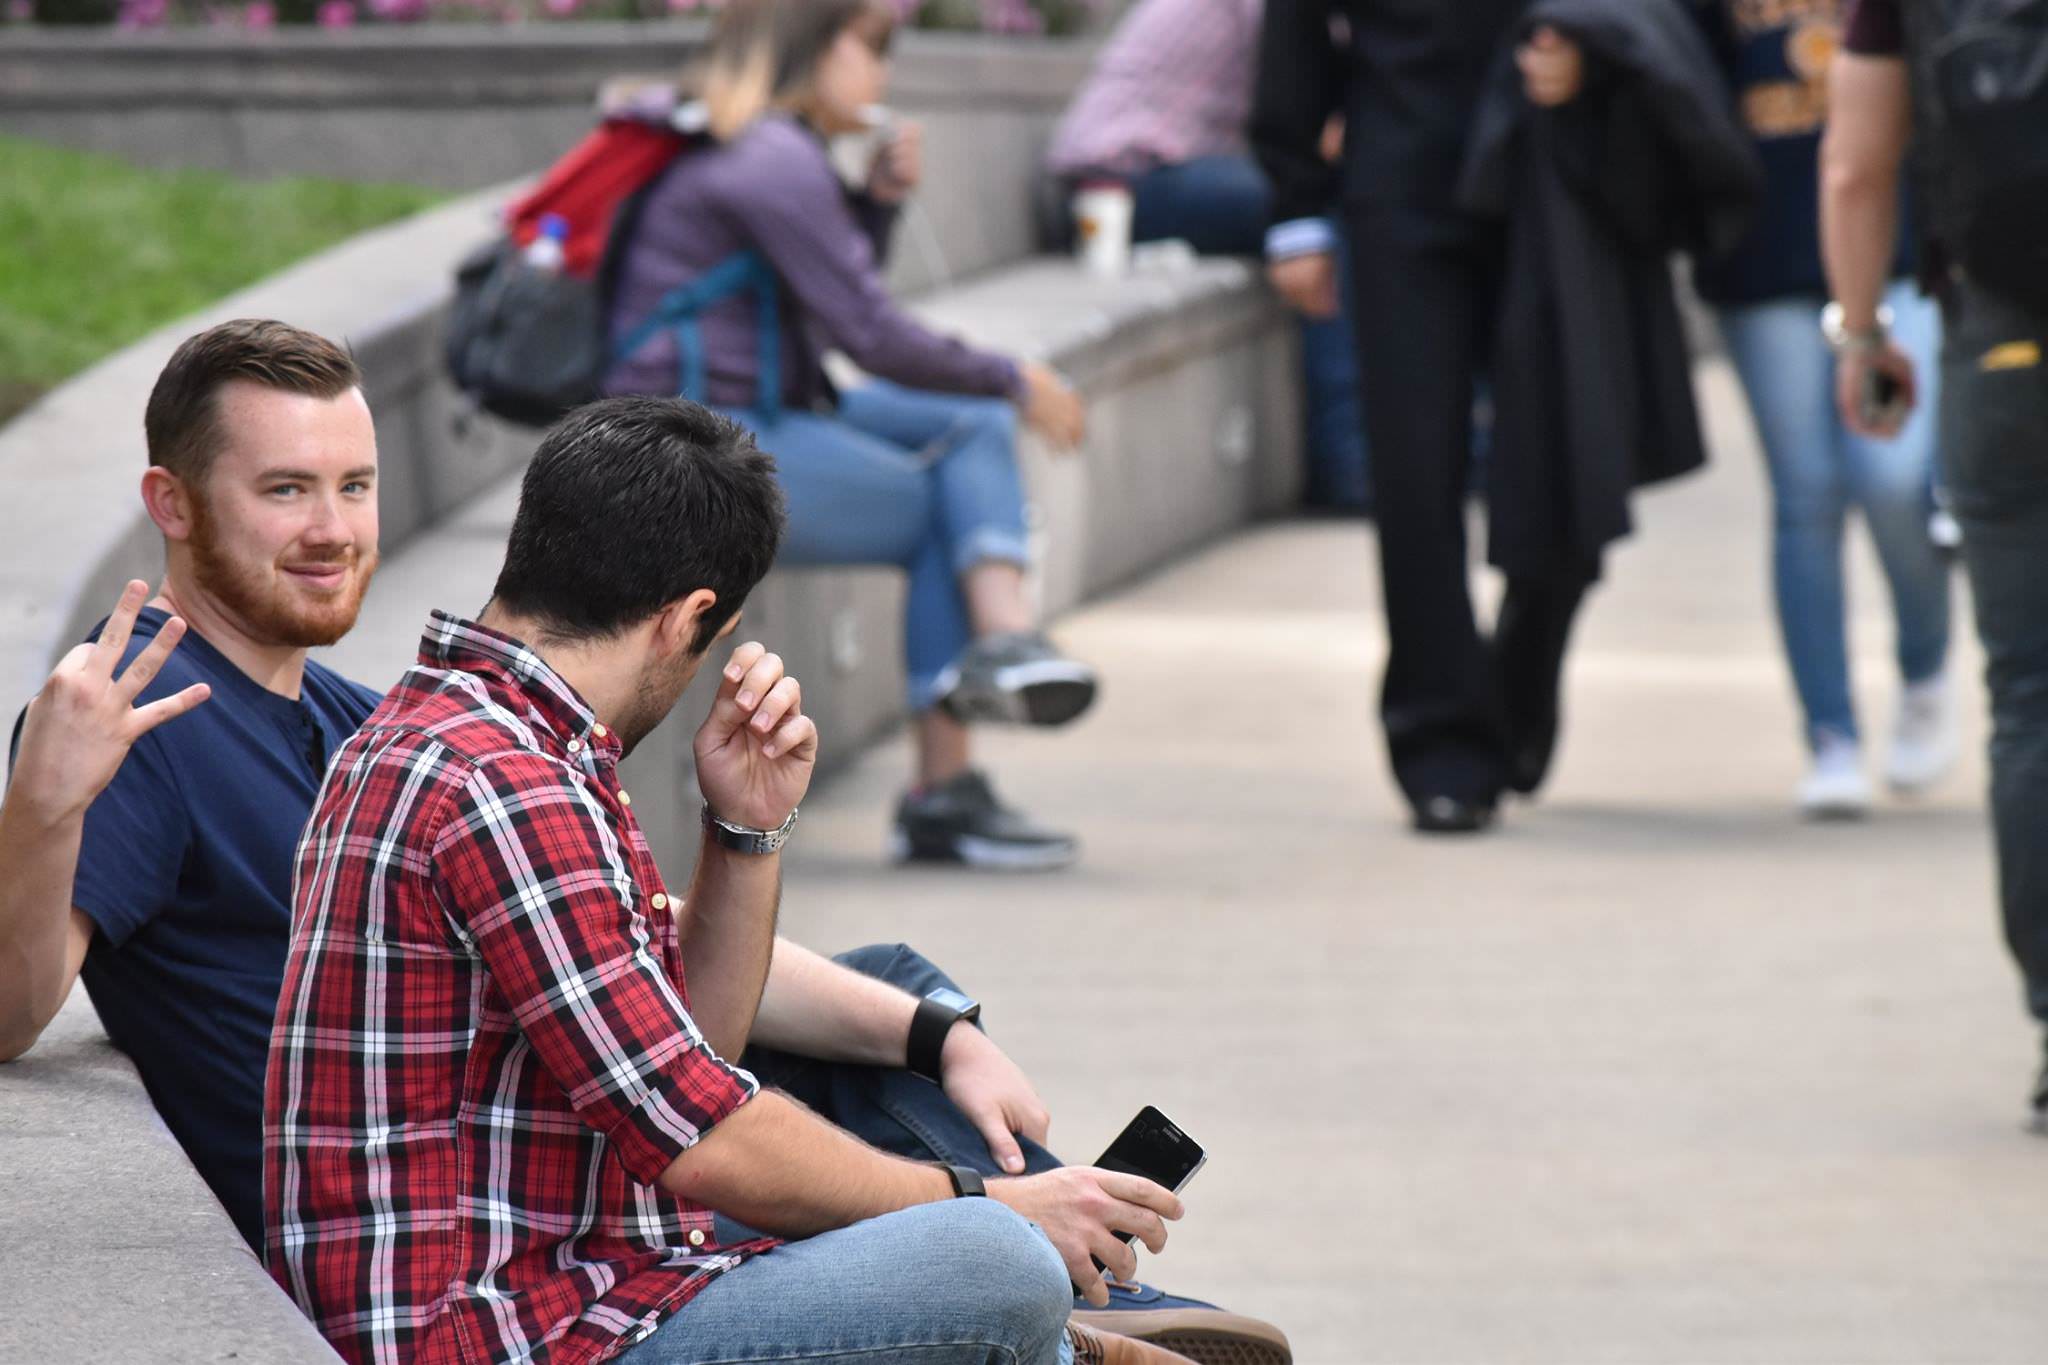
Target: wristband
[
  {"x": 745, "y": 838},
  {"x": 936, "y": 1014},
  {"x": 967, "y": 1182},
  {"x": 1863, "y": 341}
]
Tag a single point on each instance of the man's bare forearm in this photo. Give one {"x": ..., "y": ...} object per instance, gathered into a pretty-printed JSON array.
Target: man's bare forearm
[
  {"x": 1861, "y": 156},
  {"x": 776, "y": 1166},
  {"x": 38, "y": 861},
  {"x": 728, "y": 936},
  {"x": 814, "y": 1007}
]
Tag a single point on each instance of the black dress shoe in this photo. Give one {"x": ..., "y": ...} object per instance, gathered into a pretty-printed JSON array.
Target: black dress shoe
[
  {"x": 2037, "y": 1103},
  {"x": 1452, "y": 815}
]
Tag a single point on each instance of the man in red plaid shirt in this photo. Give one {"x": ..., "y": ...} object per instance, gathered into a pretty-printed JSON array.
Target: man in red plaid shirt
[{"x": 498, "y": 1118}]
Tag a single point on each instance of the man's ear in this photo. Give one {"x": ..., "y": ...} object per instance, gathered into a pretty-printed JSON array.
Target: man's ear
[
  {"x": 168, "y": 501},
  {"x": 675, "y": 625}
]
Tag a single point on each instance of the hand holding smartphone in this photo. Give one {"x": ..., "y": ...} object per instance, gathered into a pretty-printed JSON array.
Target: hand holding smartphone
[{"x": 1153, "y": 1146}]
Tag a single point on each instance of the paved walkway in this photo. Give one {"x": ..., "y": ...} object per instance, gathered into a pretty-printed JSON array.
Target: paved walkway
[{"x": 1653, "y": 1074}]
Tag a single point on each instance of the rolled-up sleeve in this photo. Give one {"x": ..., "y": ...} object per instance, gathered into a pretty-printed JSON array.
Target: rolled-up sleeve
[{"x": 536, "y": 879}]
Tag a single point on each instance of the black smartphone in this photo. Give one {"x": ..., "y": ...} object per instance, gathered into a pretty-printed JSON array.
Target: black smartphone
[
  {"x": 1882, "y": 401},
  {"x": 1153, "y": 1145}
]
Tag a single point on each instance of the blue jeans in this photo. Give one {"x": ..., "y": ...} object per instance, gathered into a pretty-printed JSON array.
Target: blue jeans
[
  {"x": 1995, "y": 468},
  {"x": 889, "y": 1288},
  {"x": 964, "y": 1282},
  {"x": 1819, "y": 469},
  {"x": 888, "y": 1107},
  {"x": 1219, "y": 206},
  {"x": 924, "y": 481}
]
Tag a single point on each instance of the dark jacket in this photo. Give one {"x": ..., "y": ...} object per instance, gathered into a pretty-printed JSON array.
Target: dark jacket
[
  {"x": 773, "y": 189},
  {"x": 1406, "y": 74},
  {"x": 1592, "y": 381}
]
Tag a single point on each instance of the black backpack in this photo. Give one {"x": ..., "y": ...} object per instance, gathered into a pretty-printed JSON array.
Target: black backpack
[{"x": 1981, "y": 100}]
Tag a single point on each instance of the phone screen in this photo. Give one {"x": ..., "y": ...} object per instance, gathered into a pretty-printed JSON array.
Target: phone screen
[{"x": 1153, "y": 1146}]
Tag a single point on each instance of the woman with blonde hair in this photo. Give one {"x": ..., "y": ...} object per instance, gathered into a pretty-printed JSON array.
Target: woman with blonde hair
[{"x": 754, "y": 258}]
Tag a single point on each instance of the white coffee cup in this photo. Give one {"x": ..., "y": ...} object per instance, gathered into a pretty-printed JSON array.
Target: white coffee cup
[{"x": 1102, "y": 226}]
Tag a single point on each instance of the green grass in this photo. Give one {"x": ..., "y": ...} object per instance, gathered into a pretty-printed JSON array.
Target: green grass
[{"x": 95, "y": 252}]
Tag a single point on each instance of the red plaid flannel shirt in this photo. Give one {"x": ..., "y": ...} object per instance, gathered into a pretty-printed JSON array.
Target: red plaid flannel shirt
[{"x": 483, "y": 1054}]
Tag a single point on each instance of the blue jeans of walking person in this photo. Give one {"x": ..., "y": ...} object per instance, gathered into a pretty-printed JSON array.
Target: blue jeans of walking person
[
  {"x": 924, "y": 481},
  {"x": 961, "y": 1282},
  {"x": 1819, "y": 469},
  {"x": 1219, "y": 206}
]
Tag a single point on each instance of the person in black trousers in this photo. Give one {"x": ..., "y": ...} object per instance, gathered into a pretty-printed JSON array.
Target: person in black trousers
[{"x": 1466, "y": 717}]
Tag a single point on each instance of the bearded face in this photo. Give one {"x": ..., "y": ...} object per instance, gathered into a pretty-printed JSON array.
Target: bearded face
[
  {"x": 303, "y": 594},
  {"x": 283, "y": 530}
]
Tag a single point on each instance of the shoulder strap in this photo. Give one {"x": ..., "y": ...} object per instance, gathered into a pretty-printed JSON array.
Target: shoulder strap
[{"x": 742, "y": 272}]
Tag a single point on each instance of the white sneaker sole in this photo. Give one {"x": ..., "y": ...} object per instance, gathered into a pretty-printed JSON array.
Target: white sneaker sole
[
  {"x": 1043, "y": 692},
  {"x": 991, "y": 854},
  {"x": 1917, "y": 778}
]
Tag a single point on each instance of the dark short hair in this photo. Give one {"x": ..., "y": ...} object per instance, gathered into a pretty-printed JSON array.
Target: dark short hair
[
  {"x": 182, "y": 422},
  {"x": 631, "y": 504}
]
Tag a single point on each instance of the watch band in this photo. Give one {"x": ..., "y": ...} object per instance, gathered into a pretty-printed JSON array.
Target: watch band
[
  {"x": 967, "y": 1182},
  {"x": 745, "y": 838},
  {"x": 928, "y": 1029},
  {"x": 1842, "y": 340}
]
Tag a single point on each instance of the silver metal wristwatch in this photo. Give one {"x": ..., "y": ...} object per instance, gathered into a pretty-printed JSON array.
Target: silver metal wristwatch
[
  {"x": 745, "y": 838},
  {"x": 1841, "y": 340}
]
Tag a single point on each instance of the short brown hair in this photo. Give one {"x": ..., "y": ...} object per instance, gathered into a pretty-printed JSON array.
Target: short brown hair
[{"x": 182, "y": 422}]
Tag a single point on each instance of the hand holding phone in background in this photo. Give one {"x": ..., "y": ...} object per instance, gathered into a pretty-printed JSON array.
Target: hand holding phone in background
[{"x": 1875, "y": 389}]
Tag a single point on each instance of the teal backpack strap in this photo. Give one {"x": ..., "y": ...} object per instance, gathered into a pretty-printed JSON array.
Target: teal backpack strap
[
  {"x": 677, "y": 314},
  {"x": 768, "y": 335}
]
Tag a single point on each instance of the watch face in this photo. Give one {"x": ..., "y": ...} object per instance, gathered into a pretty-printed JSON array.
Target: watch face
[{"x": 956, "y": 1002}]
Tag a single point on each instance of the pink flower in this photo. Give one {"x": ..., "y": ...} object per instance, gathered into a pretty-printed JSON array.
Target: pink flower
[
  {"x": 260, "y": 15},
  {"x": 143, "y": 13},
  {"x": 561, "y": 9},
  {"x": 398, "y": 10},
  {"x": 335, "y": 13},
  {"x": 20, "y": 11}
]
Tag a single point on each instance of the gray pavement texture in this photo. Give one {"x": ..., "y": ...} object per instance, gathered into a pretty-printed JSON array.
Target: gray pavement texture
[{"x": 1654, "y": 1073}]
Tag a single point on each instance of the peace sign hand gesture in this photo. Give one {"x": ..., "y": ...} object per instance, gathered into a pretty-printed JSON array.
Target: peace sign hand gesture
[
  {"x": 83, "y": 722},
  {"x": 756, "y": 749}
]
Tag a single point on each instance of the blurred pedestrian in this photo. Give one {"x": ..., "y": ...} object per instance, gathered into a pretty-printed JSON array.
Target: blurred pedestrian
[
  {"x": 1768, "y": 294},
  {"x": 1163, "y": 112},
  {"x": 1506, "y": 261},
  {"x": 1985, "y": 248},
  {"x": 915, "y": 468}
]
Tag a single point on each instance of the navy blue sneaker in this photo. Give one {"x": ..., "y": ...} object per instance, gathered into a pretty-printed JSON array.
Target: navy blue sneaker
[{"x": 1200, "y": 1331}]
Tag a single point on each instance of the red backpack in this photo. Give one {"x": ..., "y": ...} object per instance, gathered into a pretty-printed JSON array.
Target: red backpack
[{"x": 590, "y": 183}]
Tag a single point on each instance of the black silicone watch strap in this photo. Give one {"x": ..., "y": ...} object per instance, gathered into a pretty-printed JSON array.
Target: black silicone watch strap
[
  {"x": 928, "y": 1030},
  {"x": 967, "y": 1182}
]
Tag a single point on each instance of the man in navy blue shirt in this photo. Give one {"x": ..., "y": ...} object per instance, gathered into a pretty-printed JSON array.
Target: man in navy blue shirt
[{"x": 171, "y": 892}]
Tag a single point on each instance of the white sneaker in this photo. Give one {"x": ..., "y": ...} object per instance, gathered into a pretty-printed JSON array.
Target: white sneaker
[
  {"x": 1835, "y": 787},
  {"x": 1924, "y": 742}
]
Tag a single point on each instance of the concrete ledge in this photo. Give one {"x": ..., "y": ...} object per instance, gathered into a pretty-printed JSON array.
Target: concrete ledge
[{"x": 116, "y": 1250}]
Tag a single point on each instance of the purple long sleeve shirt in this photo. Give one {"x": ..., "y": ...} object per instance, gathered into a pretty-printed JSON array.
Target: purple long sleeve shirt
[{"x": 773, "y": 188}]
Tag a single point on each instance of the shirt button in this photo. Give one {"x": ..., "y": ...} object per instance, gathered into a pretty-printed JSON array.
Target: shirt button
[
  {"x": 696, "y": 1237},
  {"x": 625, "y": 797},
  {"x": 597, "y": 731},
  {"x": 575, "y": 746},
  {"x": 660, "y": 901}
]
